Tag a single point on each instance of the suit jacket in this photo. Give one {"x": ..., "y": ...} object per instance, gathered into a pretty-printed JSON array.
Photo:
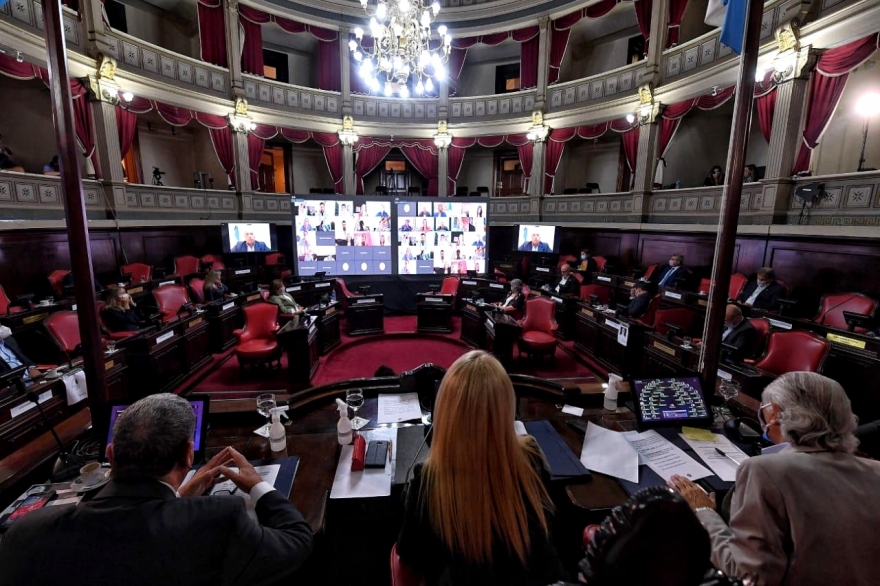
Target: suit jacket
[
  {"x": 745, "y": 337},
  {"x": 215, "y": 293},
  {"x": 284, "y": 304},
  {"x": 767, "y": 299},
  {"x": 638, "y": 305},
  {"x": 571, "y": 287},
  {"x": 682, "y": 274},
  {"x": 518, "y": 303},
  {"x": 258, "y": 247},
  {"x": 589, "y": 265},
  {"x": 800, "y": 517},
  {"x": 527, "y": 247},
  {"x": 13, "y": 346},
  {"x": 136, "y": 532}
]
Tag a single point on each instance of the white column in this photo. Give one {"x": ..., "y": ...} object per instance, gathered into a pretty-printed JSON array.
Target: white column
[
  {"x": 233, "y": 49},
  {"x": 348, "y": 176},
  {"x": 442, "y": 172}
]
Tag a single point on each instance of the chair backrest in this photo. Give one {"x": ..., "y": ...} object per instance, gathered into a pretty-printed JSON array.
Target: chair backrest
[
  {"x": 63, "y": 327},
  {"x": 450, "y": 286},
  {"x": 483, "y": 189},
  {"x": 598, "y": 290},
  {"x": 648, "y": 318},
  {"x": 4, "y": 301},
  {"x": 169, "y": 299},
  {"x": 737, "y": 284},
  {"x": 569, "y": 191},
  {"x": 197, "y": 289},
  {"x": 186, "y": 265},
  {"x": 139, "y": 271},
  {"x": 342, "y": 293},
  {"x": 762, "y": 326},
  {"x": 260, "y": 321},
  {"x": 650, "y": 271},
  {"x": 403, "y": 574},
  {"x": 601, "y": 261},
  {"x": 274, "y": 258},
  {"x": 578, "y": 277},
  {"x": 540, "y": 315},
  {"x": 56, "y": 280},
  {"x": 794, "y": 351},
  {"x": 705, "y": 285},
  {"x": 461, "y": 191},
  {"x": 831, "y": 309},
  {"x": 593, "y": 187},
  {"x": 677, "y": 316},
  {"x": 500, "y": 276},
  {"x": 216, "y": 260},
  {"x": 566, "y": 259}
]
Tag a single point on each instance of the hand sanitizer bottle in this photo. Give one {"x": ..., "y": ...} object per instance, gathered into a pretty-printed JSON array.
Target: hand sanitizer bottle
[
  {"x": 343, "y": 428},
  {"x": 333, "y": 296},
  {"x": 277, "y": 435}
]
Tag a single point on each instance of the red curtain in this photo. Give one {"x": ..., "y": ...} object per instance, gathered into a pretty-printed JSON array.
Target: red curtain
[
  {"x": 826, "y": 87},
  {"x": 423, "y": 156},
  {"x": 252, "y": 47},
  {"x": 766, "y": 105},
  {"x": 553, "y": 153},
  {"x": 126, "y": 126},
  {"x": 212, "y": 32},
  {"x": 676, "y": 13},
  {"x": 368, "y": 158},
  {"x": 527, "y": 37},
  {"x": 222, "y": 140},
  {"x": 296, "y": 136},
  {"x": 329, "y": 74},
  {"x": 454, "y": 159},
  {"x": 643, "y": 16},
  {"x": 255, "y": 157},
  {"x": 560, "y": 30},
  {"x": 85, "y": 125},
  {"x": 333, "y": 153},
  {"x": 526, "y": 152}
]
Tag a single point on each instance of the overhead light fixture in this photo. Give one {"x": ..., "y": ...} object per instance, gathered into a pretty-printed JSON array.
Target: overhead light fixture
[
  {"x": 442, "y": 140},
  {"x": 631, "y": 118},
  {"x": 347, "y": 134},
  {"x": 127, "y": 96},
  {"x": 401, "y": 48},
  {"x": 538, "y": 132},
  {"x": 239, "y": 120}
]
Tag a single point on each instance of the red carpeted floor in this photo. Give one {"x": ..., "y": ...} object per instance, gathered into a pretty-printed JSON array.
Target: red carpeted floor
[{"x": 400, "y": 348}]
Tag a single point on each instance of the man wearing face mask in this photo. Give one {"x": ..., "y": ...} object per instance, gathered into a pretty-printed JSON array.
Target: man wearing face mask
[
  {"x": 673, "y": 275},
  {"x": 588, "y": 263},
  {"x": 764, "y": 292},
  {"x": 120, "y": 312},
  {"x": 739, "y": 332},
  {"x": 12, "y": 357}
]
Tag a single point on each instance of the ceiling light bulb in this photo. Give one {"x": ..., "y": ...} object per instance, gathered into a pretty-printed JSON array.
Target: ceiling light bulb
[
  {"x": 358, "y": 56},
  {"x": 420, "y": 88},
  {"x": 381, "y": 11},
  {"x": 127, "y": 96},
  {"x": 868, "y": 105},
  {"x": 404, "y": 91},
  {"x": 441, "y": 30},
  {"x": 404, "y": 6},
  {"x": 387, "y": 91},
  {"x": 439, "y": 72},
  {"x": 630, "y": 118},
  {"x": 759, "y": 75},
  {"x": 429, "y": 85},
  {"x": 359, "y": 33},
  {"x": 374, "y": 84},
  {"x": 447, "y": 40},
  {"x": 426, "y": 19},
  {"x": 435, "y": 7},
  {"x": 352, "y": 45}
]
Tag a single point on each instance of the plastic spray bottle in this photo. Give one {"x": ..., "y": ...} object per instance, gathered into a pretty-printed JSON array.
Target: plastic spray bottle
[
  {"x": 343, "y": 428},
  {"x": 277, "y": 435}
]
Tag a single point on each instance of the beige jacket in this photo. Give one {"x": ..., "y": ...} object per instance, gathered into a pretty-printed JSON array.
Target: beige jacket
[{"x": 801, "y": 518}]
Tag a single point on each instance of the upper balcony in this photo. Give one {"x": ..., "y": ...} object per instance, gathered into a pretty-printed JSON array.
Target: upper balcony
[{"x": 28, "y": 16}]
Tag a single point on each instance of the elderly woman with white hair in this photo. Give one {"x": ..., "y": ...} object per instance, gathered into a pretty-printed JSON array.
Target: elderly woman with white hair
[{"x": 808, "y": 514}]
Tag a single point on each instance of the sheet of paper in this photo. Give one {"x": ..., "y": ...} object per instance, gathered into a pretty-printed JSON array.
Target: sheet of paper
[
  {"x": 75, "y": 385},
  {"x": 398, "y": 407},
  {"x": 572, "y": 410},
  {"x": 695, "y": 433},
  {"x": 623, "y": 334},
  {"x": 723, "y": 467},
  {"x": 268, "y": 473},
  {"x": 370, "y": 482},
  {"x": 634, "y": 434},
  {"x": 664, "y": 458},
  {"x": 520, "y": 428},
  {"x": 610, "y": 453}
]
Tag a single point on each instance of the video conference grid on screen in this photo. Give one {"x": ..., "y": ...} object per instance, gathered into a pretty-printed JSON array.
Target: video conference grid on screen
[
  {"x": 442, "y": 238},
  {"x": 535, "y": 238},
  {"x": 249, "y": 237}
]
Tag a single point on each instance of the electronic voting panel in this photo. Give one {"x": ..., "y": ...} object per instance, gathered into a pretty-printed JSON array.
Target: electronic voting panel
[{"x": 662, "y": 402}]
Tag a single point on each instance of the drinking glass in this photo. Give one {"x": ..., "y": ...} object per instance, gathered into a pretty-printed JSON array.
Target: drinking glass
[
  {"x": 686, "y": 343},
  {"x": 728, "y": 389},
  {"x": 265, "y": 403},
  {"x": 355, "y": 399}
]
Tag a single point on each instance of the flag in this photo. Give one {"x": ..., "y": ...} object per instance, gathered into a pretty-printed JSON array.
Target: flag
[{"x": 730, "y": 15}]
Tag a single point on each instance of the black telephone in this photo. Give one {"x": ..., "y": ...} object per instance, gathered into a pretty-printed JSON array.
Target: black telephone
[{"x": 743, "y": 429}]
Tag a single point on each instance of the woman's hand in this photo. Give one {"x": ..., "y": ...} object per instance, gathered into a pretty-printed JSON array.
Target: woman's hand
[{"x": 692, "y": 493}]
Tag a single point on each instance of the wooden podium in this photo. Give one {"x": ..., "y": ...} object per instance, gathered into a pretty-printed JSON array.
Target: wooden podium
[
  {"x": 299, "y": 339},
  {"x": 502, "y": 332},
  {"x": 366, "y": 314},
  {"x": 328, "y": 325},
  {"x": 434, "y": 312},
  {"x": 224, "y": 317}
]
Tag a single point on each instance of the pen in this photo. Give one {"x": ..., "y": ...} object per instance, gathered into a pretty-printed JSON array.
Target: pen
[{"x": 727, "y": 456}]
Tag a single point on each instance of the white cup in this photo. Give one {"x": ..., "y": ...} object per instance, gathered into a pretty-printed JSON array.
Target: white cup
[
  {"x": 52, "y": 373},
  {"x": 91, "y": 473}
]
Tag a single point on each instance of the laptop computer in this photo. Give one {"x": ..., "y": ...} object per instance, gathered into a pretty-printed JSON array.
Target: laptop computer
[{"x": 670, "y": 402}]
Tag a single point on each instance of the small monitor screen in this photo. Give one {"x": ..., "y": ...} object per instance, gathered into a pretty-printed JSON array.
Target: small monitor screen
[
  {"x": 670, "y": 401},
  {"x": 343, "y": 237},
  {"x": 535, "y": 238},
  {"x": 447, "y": 238},
  {"x": 199, "y": 405},
  {"x": 249, "y": 237}
]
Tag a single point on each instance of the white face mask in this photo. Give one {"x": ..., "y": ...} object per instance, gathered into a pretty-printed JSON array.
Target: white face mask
[{"x": 5, "y": 332}]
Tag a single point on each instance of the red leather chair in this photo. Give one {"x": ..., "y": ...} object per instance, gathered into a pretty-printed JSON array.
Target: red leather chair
[
  {"x": 650, "y": 271},
  {"x": 197, "y": 289},
  {"x": 450, "y": 287},
  {"x": 140, "y": 272},
  {"x": 63, "y": 328},
  {"x": 5, "y": 301},
  {"x": 589, "y": 534},
  {"x": 831, "y": 309},
  {"x": 598, "y": 290},
  {"x": 343, "y": 294},
  {"x": 169, "y": 299},
  {"x": 737, "y": 284},
  {"x": 274, "y": 258},
  {"x": 567, "y": 258},
  {"x": 579, "y": 277},
  {"x": 56, "y": 280},
  {"x": 705, "y": 285},
  {"x": 105, "y": 331},
  {"x": 677, "y": 316},
  {"x": 539, "y": 328},
  {"x": 257, "y": 343},
  {"x": 762, "y": 326},
  {"x": 653, "y": 306},
  {"x": 794, "y": 351},
  {"x": 285, "y": 273},
  {"x": 601, "y": 261},
  {"x": 215, "y": 260},
  {"x": 402, "y": 574},
  {"x": 500, "y": 276},
  {"x": 186, "y": 265}
]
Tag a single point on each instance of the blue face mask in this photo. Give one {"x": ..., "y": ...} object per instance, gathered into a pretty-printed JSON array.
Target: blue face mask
[{"x": 764, "y": 425}]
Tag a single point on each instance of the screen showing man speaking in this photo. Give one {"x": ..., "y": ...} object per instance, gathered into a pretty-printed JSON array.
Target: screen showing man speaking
[
  {"x": 535, "y": 238},
  {"x": 249, "y": 237}
]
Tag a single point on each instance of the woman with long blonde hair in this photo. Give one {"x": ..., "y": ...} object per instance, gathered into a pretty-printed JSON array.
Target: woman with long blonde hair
[
  {"x": 214, "y": 289},
  {"x": 477, "y": 511}
]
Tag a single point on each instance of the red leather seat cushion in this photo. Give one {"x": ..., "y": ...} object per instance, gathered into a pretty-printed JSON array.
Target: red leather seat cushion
[
  {"x": 257, "y": 350},
  {"x": 538, "y": 341}
]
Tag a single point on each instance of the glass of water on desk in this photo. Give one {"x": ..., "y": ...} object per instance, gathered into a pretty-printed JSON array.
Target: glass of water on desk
[
  {"x": 355, "y": 399},
  {"x": 728, "y": 389},
  {"x": 265, "y": 404}
]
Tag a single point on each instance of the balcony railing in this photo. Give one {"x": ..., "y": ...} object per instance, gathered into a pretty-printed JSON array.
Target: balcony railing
[
  {"x": 493, "y": 107},
  {"x": 513, "y": 208},
  {"x": 29, "y": 196},
  {"x": 274, "y": 94},
  {"x": 28, "y": 14},
  {"x": 588, "y": 207},
  {"x": 414, "y": 110},
  {"x": 606, "y": 86},
  {"x": 851, "y": 199}
]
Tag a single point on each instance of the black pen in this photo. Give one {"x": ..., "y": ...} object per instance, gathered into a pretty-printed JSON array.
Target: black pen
[{"x": 727, "y": 456}]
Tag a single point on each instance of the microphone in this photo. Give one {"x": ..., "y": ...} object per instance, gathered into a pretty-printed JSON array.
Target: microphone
[{"x": 419, "y": 451}]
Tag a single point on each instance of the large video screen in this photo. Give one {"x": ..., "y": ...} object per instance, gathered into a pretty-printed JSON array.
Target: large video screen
[
  {"x": 249, "y": 237},
  {"x": 343, "y": 237},
  {"x": 441, "y": 237},
  {"x": 535, "y": 238}
]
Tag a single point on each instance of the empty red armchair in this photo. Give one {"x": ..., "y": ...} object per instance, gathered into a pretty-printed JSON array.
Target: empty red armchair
[
  {"x": 650, "y": 271},
  {"x": 831, "y": 310},
  {"x": 186, "y": 265},
  {"x": 539, "y": 328},
  {"x": 343, "y": 293},
  {"x": 705, "y": 285},
  {"x": 402, "y": 574},
  {"x": 598, "y": 290},
  {"x": 169, "y": 300},
  {"x": 737, "y": 284},
  {"x": 216, "y": 261},
  {"x": 567, "y": 258},
  {"x": 649, "y": 318},
  {"x": 500, "y": 276},
  {"x": 601, "y": 261},
  {"x": 140, "y": 272},
  {"x": 274, "y": 259},
  {"x": 63, "y": 328},
  {"x": 197, "y": 289},
  {"x": 6, "y": 306},
  {"x": 257, "y": 343},
  {"x": 794, "y": 351},
  {"x": 676, "y": 316},
  {"x": 56, "y": 281}
]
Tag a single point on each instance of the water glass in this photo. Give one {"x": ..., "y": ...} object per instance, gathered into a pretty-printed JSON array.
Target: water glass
[
  {"x": 265, "y": 404},
  {"x": 355, "y": 400},
  {"x": 686, "y": 343}
]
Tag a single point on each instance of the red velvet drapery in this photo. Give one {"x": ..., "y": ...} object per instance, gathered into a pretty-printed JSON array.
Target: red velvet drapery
[
  {"x": 333, "y": 153},
  {"x": 212, "y": 32},
  {"x": 252, "y": 44},
  {"x": 367, "y": 158},
  {"x": 126, "y": 127},
  {"x": 765, "y": 103},
  {"x": 676, "y": 13},
  {"x": 423, "y": 156},
  {"x": 560, "y": 30},
  {"x": 672, "y": 115},
  {"x": 643, "y": 16},
  {"x": 454, "y": 159},
  {"x": 222, "y": 140},
  {"x": 255, "y": 157},
  {"x": 553, "y": 153},
  {"x": 528, "y": 39}
]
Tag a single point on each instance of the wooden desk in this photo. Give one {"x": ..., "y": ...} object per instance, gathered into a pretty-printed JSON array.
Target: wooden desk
[
  {"x": 472, "y": 329},
  {"x": 196, "y": 341},
  {"x": 299, "y": 339},
  {"x": 365, "y": 315},
  {"x": 328, "y": 326},
  {"x": 434, "y": 312},
  {"x": 308, "y": 293},
  {"x": 599, "y": 336},
  {"x": 235, "y": 279},
  {"x": 224, "y": 317},
  {"x": 502, "y": 332}
]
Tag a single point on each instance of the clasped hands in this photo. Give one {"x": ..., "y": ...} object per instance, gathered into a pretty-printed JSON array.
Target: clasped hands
[{"x": 217, "y": 470}]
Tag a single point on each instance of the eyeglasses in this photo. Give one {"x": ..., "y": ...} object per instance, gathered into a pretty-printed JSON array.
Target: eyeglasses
[{"x": 225, "y": 492}]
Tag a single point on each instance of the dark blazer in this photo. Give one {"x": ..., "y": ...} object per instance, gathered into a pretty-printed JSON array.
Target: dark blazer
[
  {"x": 767, "y": 299},
  {"x": 638, "y": 305},
  {"x": 215, "y": 293},
  {"x": 572, "y": 286},
  {"x": 527, "y": 247},
  {"x": 682, "y": 274},
  {"x": 588, "y": 266},
  {"x": 136, "y": 532},
  {"x": 518, "y": 302},
  {"x": 121, "y": 321},
  {"x": 420, "y": 547},
  {"x": 258, "y": 247},
  {"x": 745, "y": 337},
  {"x": 13, "y": 345}
]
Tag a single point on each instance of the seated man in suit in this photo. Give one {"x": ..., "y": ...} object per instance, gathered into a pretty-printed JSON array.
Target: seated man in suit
[
  {"x": 145, "y": 528},
  {"x": 739, "y": 332},
  {"x": 567, "y": 284},
  {"x": 673, "y": 275},
  {"x": 250, "y": 244},
  {"x": 764, "y": 292},
  {"x": 640, "y": 299},
  {"x": 12, "y": 357},
  {"x": 588, "y": 263},
  {"x": 534, "y": 244}
]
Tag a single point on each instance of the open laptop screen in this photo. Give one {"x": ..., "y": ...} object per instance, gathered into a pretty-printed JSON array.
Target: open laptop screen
[{"x": 200, "y": 406}]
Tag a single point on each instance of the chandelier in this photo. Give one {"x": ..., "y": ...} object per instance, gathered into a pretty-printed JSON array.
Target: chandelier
[{"x": 401, "y": 34}]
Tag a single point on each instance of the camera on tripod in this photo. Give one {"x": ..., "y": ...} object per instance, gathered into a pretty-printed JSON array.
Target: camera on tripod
[{"x": 157, "y": 176}]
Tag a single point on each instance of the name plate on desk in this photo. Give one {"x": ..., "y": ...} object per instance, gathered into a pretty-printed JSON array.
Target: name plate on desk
[
  {"x": 34, "y": 318},
  {"x": 163, "y": 283},
  {"x": 434, "y": 299},
  {"x": 330, "y": 311},
  {"x": 254, "y": 297},
  {"x": 542, "y": 269},
  {"x": 586, "y": 312},
  {"x": 28, "y": 405},
  {"x": 471, "y": 307},
  {"x": 292, "y": 289},
  {"x": 226, "y": 306},
  {"x": 194, "y": 323},
  {"x": 322, "y": 285},
  {"x": 364, "y": 301},
  {"x": 851, "y": 342},
  {"x": 612, "y": 324},
  {"x": 490, "y": 323},
  {"x": 605, "y": 279},
  {"x": 243, "y": 272},
  {"x": 779, "y": 324},
  {"x": 109, "y": 364},
  {"x": 724, "y": 375},
  {"x": 471, "y": 283},
  {"x": 702, "y": 302},
  {"x": 164, "y": 337},
  {"x": 134, "y": 290},
  {"x": 312, "y": 328},
  {"x": 496, "y": 285},
  {"x": 73, "y": 307},
  {"x": 663, "y": 348},
  {"x": 672, "y": 295},
  {"x": 557, "y": 299},
  {"x": 629, "y": 283}
]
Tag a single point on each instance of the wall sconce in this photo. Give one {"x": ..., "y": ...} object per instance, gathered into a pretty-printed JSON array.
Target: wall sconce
[
  {"x": 648, "y": 110},
  {"x": 239, "y": 120},
  {"x": 347, "y": 134},
  {"x": 538, "y": 132},
  {"x": 442, "y": 139}
]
